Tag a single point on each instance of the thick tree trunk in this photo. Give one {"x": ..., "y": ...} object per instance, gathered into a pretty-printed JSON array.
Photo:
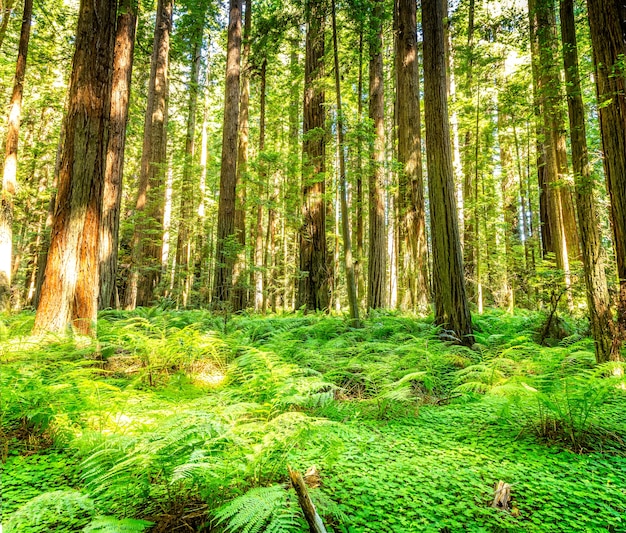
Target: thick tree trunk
[
  {"x": 120, "y": 94},
  {"x": 240, "y": 290},
  {"x": 186, "y": 231},
  {"x": 607, "y": 19},
  {"x": 313, "y": 285},
  {"x": 451, "y": 307},
  {"x": 148, "y": 234},
  {"x": 69, "y": 294},
  {"x": 224, "y": 254},
  {"x": 9, "y": 177},
  {"x": 377, "y": 256},
  {"x": 413, "y": 248},
  {"x": 359, "y": 225}
]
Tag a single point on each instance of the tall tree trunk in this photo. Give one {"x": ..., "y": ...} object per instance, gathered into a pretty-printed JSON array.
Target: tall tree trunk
[
  {"x": 148, "y": 234},
  {"x": 120, "y": 96},
  {"x": 470, "y": 143},
  {"x": 240, "y": 291},
  {"x": 69, "y": 294},
  {"x": 377, "y": 256},
  {"x": 262, "y": 181},
  {"x": 560, "y": 211},
  {"x": 413, "y": 248},
  {"x": 9, "y": 177},
  {"x": 313, "y": 285},
  {"x": 359, "y": 230},
  {"x": 353, "y": 301},
  {"x": 588, "y": 222},
  {"x": 224, "y": 254},
  {"x": 607, "y": 19},
  {"x": 185, "y": 244},
  {"x": 451, "y": 307}
]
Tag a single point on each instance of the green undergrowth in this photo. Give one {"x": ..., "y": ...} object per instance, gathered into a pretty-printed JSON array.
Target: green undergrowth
[{"x": 188, "y": 421}]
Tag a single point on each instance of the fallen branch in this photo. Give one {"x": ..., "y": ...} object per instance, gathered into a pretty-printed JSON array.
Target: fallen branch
[{"x": 313, "y": 519}]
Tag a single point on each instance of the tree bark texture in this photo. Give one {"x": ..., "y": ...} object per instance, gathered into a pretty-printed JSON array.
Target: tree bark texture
[
  {"x": 9, "y": 176},
  {"x": 148, "y": 234},
  {"x": 588, "y": 222},
  {"x": 377, "y": 256},
  {"x": 313, "y": 284},
  {"x": 451, "y": 307},
  {"x": 607, "y": 20},
  {"x": 240, "y": 290},
  {"x": 413, "y": 251},
  {"x": 120, "y": 97},
  {"x": 226, "y": 239},
  {"x": 69, "y": 294}
]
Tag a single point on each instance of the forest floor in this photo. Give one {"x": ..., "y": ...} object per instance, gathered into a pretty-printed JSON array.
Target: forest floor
[{"x": 184, "y": 421}]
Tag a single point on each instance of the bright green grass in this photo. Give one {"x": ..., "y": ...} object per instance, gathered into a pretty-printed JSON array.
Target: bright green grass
[{"x": 396, "y": 454}]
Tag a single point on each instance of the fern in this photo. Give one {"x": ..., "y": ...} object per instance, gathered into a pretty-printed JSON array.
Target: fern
[
  {"x": 62, "y": 510},
  {"x": 262, "y": 509},
  {"x": 110, "y": 524}
]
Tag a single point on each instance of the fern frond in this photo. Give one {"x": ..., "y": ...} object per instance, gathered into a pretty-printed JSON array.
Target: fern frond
[{"x": 110, "y": 524}]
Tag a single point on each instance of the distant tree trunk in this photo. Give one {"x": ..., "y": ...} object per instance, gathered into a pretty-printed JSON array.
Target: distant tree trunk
[
  {"x": 185, "y": 244},
  {"x": 9, "y": 177},
  {"x": 359, "y": 230},
  {"x": 313, "y": 285},
  {"x": 258, "y": 230},
  {"x": 69, "y": 294},
  {"x": 377, "y": 257},
  {"x": 240, "y": 291},
  {"x": 588, "y": 222},
  {"x": 413, "y": 248},
  {"x": 451, "y": 307},
  {"x": 561, "y": 233},
  {"x": 148, "y": 234},
  {"x": 510, "y": 208},
  {"x": 224, "y": 254},
  {"x": 353, "y": 301},
  {"x": 6, "y": 15},
  {"x": 120, "y": 95},
  {"x": 607, "y": 19},
  {"x": 470, "y": 144}
]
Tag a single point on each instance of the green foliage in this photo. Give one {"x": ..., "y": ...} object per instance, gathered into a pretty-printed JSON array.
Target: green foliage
[
  {"x": 409, "y": 433},
  {"x": 67, "y": 510},
  {"x": 262, "y": 509}
]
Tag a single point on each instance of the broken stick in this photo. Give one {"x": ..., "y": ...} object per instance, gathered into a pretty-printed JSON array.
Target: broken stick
[{"x": 313, "y": 519}]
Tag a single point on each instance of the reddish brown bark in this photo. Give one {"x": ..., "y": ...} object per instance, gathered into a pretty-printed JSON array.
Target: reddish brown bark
[
  {"x": 225, "y": 253},
  {"x": 377, "y": 256},
  {"x": 120, "y": 94},
  {"x": 69, "y": 294},
  {"x": 313, "y": 285}
]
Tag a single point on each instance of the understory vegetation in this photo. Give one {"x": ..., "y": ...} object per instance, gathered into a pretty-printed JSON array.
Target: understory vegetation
[{"x": 188, "y": 421}]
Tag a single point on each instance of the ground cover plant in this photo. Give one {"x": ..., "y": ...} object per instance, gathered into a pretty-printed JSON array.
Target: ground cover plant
[{"x": 188, "y": 421}]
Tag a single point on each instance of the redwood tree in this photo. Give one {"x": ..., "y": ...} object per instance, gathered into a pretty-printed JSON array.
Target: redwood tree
[
  {"x": 451, "y": 307},
  {"x": 69, "y": 294},
  {"x": 120, "y": 96},
  {"x": 607, "y": 20},
  {"x": 225, "y": 251},
  {"x": 377, "y": 257},
  {"x": 313, "y": 286},
  {"x": 148, "y": 235},
  {"x": 413, "y": 248}
]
